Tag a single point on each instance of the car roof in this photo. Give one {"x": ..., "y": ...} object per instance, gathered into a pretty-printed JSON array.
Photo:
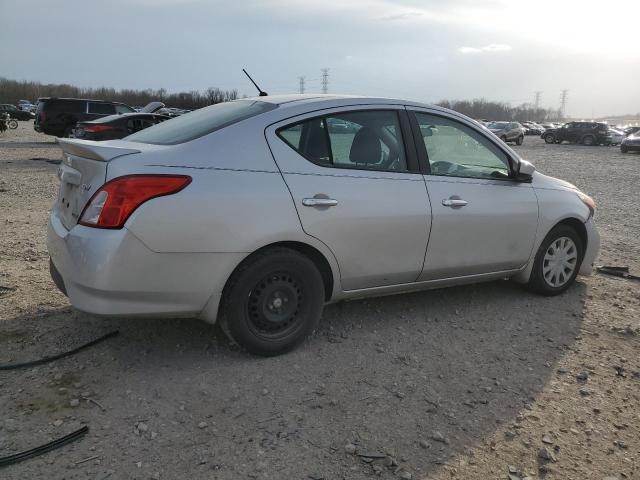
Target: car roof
[
  {"x": 41, "y": 99},
  {"x": 118, "y": 116},
  {"x": 302, "y": 103}
]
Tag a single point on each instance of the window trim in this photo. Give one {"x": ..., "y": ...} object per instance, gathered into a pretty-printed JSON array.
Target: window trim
[
  {"x": 405, "y": 131},
  {"x": 424, "y": 157}
]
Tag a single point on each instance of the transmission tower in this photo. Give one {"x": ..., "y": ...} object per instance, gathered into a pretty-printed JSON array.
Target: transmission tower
[
  {"x": 301, "y": 80},
  {"x": 325, "y": 80},
  {"x": 536, "y": 102},
  {"x": 564, "y": 94}
]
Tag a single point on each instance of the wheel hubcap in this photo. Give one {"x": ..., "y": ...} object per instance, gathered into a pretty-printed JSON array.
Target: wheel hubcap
[
  {"x": 559, "y": 262},
  {"x": 274, "y": 305}
]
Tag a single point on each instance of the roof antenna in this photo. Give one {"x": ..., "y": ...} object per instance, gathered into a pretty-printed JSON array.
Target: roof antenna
[{"x": 262, "y": 92}]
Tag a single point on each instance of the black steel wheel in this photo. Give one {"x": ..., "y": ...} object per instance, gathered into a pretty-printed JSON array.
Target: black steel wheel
[{"x": 273, "y": 301}]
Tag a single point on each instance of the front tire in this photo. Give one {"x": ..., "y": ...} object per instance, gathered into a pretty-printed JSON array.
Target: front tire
[
  {"x": 503, "y": 138},
  {"x": 520, "y": 140},
  {"x": 272, "y": 302},
  {"x": 557, "y": 262},
  {"x": 588, "y": 140},
  {"x": 623, "y": 149}
]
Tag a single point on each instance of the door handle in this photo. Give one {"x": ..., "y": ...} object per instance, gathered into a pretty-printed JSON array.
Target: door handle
[
  {"x": 319, "y": 202},
  {"x": 454, "y": 202}
]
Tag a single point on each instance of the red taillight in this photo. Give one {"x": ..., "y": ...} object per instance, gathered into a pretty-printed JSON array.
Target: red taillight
[
  {"x": 97, "y": 128},
  {"x": 116, "y": 200}
]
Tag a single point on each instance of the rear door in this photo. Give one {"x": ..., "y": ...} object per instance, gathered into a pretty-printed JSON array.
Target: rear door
[
  {"x": 357, "y": 188},
  {"x": 482, "y": 220}
]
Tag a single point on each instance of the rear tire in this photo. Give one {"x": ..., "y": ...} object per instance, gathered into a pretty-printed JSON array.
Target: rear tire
[
  {"x": 272, "y": 302},
  {"x": 520, "y": 140},
  {"x": 12, "y": 124},
  {"x": 588, "y": 140},
  {"x": 557, "y": 262},
  {"x": 68, "y": 132},
  {"x": 549, "y": 138}
]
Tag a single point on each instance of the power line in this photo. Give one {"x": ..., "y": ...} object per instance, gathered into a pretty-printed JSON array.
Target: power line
[
  {"x": 325, "y": 80},
  {"x": 564, "y": 94},
  {"x": 538, "y": 94},
  {"x": 301, "y": 81}
]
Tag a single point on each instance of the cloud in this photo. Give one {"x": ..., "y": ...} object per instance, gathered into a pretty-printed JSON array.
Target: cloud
[
  {"x": 402, "y": 16},
  {"x": 492, "y": 47}
]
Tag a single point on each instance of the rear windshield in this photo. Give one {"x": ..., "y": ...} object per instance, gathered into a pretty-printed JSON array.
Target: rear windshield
[{"x": 200, "y": 122}]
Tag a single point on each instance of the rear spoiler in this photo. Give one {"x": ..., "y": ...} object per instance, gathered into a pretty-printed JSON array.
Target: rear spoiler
[{"x": 93, "y": 150}]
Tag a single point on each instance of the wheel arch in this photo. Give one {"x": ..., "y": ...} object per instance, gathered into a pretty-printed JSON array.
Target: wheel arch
[
  {"x": 573, "y": 222},
  {"x": 317, "y": 257}
]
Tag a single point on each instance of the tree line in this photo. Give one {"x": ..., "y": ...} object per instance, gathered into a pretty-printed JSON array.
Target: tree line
[
  {"x": 12, "y": 90},
  {"x": 484, "y": 109}
]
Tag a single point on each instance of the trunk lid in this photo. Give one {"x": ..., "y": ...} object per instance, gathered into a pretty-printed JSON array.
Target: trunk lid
[{"x": 82, "y": 172}]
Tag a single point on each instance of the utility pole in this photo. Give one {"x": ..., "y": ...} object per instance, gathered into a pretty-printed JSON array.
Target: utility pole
[
  {"x": 538, "y": 94},
  {"x": 301, "y": 80},
  {"x": 564, "y": 94},
  {"x": 325, "y": 80}
]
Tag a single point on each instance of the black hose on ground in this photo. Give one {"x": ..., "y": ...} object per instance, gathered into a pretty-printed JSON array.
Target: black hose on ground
[
  {"x": 33, "y": 363},
  {"x": 47, "y": 447}
]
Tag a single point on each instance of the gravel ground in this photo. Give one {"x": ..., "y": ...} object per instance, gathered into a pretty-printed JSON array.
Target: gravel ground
[{"x": 482, "y": 382}]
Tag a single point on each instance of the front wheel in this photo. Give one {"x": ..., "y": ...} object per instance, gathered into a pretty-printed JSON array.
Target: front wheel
[
  {"x": 588, "y": 140},
  {"x": 557, "y": 262},
  {"x": 623, "y": 149},
  {"x": 519, "y": 140},
  {"x": 272, "y": 302},
  {"x": 12, "y": 124},
  {"x": 503, "y": 138}
]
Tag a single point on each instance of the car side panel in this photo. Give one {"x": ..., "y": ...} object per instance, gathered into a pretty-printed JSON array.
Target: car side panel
[{"x": 556, "y": 205}]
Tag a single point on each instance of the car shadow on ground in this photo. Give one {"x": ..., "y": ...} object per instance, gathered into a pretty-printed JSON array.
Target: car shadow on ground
[{"x": 423, "y": 377}]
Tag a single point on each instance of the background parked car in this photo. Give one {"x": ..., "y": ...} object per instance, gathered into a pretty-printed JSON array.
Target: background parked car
[
  {"x": 15, "y": 112},
  {"x": 507, "y": 131},
  {"x": 59, "y": 116},
  {"x": 586, "y": 133},
  {"x": 115, "y": 127},
  {"x": 631, "y": 143},
  {"x": 532, "y": 128},
  {"x": 616, "y": 136},
  {"x": 629, "y": 130}
]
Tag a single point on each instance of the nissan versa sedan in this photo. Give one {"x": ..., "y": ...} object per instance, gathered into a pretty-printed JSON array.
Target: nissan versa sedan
[{"x": 255, "y": 213}]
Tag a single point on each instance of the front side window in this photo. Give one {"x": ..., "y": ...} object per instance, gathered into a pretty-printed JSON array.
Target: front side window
[
  {"x": 363, "y": 140},
  {"x": 102, "y": 108},
  {"x": 456, "y": 150}
]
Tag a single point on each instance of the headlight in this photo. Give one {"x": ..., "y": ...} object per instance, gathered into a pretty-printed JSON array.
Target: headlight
[{"x": 589, "y": 202}]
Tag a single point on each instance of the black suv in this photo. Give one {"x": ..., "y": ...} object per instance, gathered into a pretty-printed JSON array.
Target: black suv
[
  {"x": 58, "y": 116},
  {"x": 15, "y": 112},
  {"x": 586, "y": 133}
]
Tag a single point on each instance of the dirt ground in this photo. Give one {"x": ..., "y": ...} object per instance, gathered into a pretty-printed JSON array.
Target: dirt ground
[{"x": 477, "y": 382}]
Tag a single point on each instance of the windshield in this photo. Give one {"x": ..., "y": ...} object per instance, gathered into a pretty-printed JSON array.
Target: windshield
[
  {"x": 498, "y": 125},
  {"x": 200, "y": 122}
]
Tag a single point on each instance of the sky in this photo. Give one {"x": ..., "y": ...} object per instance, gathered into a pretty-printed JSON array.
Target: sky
[{"x": 429, "y": 50}]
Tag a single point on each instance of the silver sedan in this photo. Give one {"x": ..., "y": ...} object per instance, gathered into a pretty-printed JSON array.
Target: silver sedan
[{"x": 257, "y": 212}]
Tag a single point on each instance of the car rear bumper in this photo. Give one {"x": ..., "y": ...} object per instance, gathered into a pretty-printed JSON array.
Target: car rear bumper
[
  {"x": 111, "y": 272},
  {"x": 593, "y": 248}
]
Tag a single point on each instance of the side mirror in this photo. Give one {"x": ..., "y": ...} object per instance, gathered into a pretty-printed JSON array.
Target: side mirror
[{"x": 525, "y": 171}]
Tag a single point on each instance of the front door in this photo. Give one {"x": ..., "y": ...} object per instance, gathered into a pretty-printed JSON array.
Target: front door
[
  {"x": 482, "y": 220},
  {"x": 357, "y": 190}
]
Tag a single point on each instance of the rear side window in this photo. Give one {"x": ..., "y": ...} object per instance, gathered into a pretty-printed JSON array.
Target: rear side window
[
  {"x": 65, "y": 106},
  {"x": 365, "y": 140},
  {"x": 200, "y": 122},
  {"x": 123, "y": 108},
  {"x": 102, "y": 108}
]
